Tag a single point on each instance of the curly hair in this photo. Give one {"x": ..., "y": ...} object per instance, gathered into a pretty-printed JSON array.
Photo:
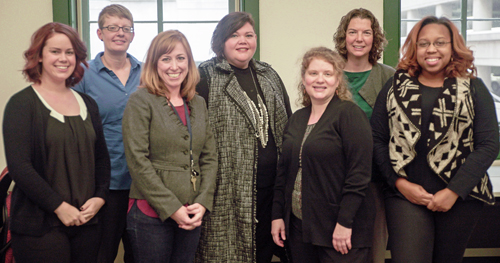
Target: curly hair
[
  {"x": 164, "y": 43},
  {"x": 461, "y": 63},
  {"x": 338, "y": 64},
  {"x": 379, "y": 41},
  {"x": 32, "y": 70},
  {"x": 226, "y": 27}
]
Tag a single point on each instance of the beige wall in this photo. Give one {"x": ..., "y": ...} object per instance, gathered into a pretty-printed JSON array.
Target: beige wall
[
  {"x": 18, "y": 20},
  {"x": 288, "y": 28}
]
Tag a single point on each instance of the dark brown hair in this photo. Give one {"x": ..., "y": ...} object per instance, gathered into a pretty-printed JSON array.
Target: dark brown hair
[
  {"x": 461, "y": 64},
  {"x": 226, "y": 27},
  {"x": 33, "y": 68},
  {"x": 379, "y": 41}
]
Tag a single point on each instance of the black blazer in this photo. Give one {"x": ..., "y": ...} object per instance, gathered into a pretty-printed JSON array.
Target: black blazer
[{"x": 336, "y": 171}]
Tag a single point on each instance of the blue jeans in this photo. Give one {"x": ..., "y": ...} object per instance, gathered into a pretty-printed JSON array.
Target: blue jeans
[{"x": 154, "y": 241}]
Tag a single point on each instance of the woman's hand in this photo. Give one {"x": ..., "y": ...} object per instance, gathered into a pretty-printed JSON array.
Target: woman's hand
[
  {"x": 196, "y": 211},
  {"x": 341, "y": 239},
  {"x": 91, "y": 207},
  {"x": 413, "y": 192},
  {"x": 181, "y": 217},
  {"x": 443, "y": 201},
  {"x": 278, "y": 232},
  {"x": 69, "y": 215}
]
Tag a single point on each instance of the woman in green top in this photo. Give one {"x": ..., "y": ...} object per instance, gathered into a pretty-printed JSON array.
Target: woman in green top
[{"x": 360, "y": 40}]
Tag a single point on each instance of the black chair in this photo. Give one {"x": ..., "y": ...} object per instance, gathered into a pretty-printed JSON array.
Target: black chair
[{"x": 5, "y": 182}]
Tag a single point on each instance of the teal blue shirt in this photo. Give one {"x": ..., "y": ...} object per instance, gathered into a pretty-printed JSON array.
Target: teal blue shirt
[{"x": 111, "y": 96}]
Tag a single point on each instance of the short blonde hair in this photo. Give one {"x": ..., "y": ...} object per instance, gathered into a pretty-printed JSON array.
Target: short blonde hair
[
  {"x": 164, "y": 43},
  {"x": 114, "y": 10},
  {"x": 338, "y": 64}
]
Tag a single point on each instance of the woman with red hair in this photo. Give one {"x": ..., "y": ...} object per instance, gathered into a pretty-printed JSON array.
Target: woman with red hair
[
  {"x": 435, "y": 135},
  {"x": 56, "y": 154}
]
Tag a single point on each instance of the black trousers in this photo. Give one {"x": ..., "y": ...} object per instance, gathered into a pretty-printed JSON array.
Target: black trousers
[
  {"x": 266, "y": 247},
  {"x": 60, "y": 245},
  {"x": 114, "y": 222},
  {"x": 416, "y": 234},
  {"x": 308, "y": 253}
]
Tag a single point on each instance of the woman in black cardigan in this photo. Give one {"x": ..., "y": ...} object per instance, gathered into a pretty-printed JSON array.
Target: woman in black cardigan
[
  {"x": 324, "y": 170},
  {"x": 56, "y": 154}
]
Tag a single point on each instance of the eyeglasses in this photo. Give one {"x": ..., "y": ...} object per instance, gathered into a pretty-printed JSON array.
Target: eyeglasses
[
  {"x": 126, "y": 29},
  {"x": 437, "y": 44}
]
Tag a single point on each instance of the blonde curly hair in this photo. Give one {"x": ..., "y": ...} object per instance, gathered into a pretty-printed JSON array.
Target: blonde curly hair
[{"x": 338, "y": 64}]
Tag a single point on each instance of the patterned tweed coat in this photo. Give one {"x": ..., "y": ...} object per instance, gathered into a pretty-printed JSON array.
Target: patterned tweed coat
[{"x": 228, "y": 233}]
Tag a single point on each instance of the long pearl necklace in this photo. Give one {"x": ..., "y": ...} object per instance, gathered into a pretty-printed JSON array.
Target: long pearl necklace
[{"x": 259, "y": 115}]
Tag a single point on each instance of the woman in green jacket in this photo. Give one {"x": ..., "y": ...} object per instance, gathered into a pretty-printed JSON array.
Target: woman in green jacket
[
  {"x": 360, "y": 40},
  {"x": 170, "y": 151}
]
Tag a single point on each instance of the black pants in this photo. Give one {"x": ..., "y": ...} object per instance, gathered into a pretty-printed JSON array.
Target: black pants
[
  {"x": 416, "y": 234},
  {"x": 60, "y": 245},
  {"x": 308, "y": 253},
  {"x": 266, "y": 247},
  {"x": 114, "y": 222}
]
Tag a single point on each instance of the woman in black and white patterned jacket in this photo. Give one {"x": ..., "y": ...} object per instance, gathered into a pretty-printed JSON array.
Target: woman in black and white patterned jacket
[{"x": 435, "y": 135}]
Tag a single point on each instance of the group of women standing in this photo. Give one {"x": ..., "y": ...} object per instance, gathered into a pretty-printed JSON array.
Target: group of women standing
[{"x": 219, "y": 175}]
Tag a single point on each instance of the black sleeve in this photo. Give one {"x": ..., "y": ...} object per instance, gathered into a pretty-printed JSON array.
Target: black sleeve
[
  {"x": 19, "y": 134},
  {"x": 202, "y": 87},
  {"x": 381, "y": 134},
  {"x": 355, "y": 132},
  {"x": 486, "y": 143},
  {"x": 278, "y": 210},
  {"x": 102, "y": 162}
]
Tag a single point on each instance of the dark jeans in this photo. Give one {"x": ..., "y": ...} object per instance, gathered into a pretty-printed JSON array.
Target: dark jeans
[
  {"x": 416, "y": 234},
  {"x": 308, "y": 253},
  {"x": 61, "y": 244},
  {"x": 113, "y": 220},
  {"x": 154, "y": 241}
]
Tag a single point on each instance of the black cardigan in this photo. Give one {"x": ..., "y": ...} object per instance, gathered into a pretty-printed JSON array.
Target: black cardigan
[
  {"x": 336, "y": 170},
  {"x": 33, "y": 200}
]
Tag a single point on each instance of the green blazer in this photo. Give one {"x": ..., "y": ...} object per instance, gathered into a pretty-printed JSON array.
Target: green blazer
[
  {"x": 157, "y": 152},
  {"x": 379, "y": 75}
]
